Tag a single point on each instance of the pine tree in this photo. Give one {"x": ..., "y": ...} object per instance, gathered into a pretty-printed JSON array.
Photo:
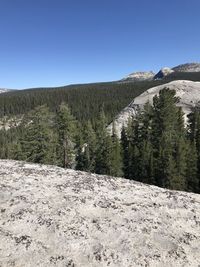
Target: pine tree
[
  {"x": 86, "y": 148},
  {"x": 125, "y": 153},
  {"x": 146, "y": 170},
  {"x": 116, "y": 155},
  {"x": 154, "y": 143},
  {"x": 103, "y": 149},
  {"x": 192, "y": 182},
  {"x": 82, "y": 157},
  {"x": 133, "y": 148},
  {"x": 90, "y": 146},
  {"x": 194, "y": 137},
  {"x": 168, "y": 141},
  {"x": 66, "y": 129},
  {"x": 178, "y": 182},
  {"x": 16, "y": 151},
  {"x": 36, "y": 144}
]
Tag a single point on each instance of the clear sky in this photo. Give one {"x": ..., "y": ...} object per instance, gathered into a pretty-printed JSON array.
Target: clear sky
[{"x": 58, "y": 42}]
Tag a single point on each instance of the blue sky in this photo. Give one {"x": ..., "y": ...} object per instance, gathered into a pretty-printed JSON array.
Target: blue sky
[{"x": 58, "y": 42}]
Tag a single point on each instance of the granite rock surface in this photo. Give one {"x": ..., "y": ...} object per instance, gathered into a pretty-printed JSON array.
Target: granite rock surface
[{"x": 55, "y": 217}]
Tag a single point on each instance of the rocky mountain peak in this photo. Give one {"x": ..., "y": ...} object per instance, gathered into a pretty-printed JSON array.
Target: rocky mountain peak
[
  {"x": 163, "y": 73},
  {"x": 140, "y": 76},
  {"x": 188, "y": 67},
  {"x": 150, "y": 75}
]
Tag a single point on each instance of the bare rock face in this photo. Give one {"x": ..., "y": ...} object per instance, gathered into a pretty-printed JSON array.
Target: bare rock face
[
  {"x": 140, "y": 76},
  {"x": 163, "y": 73},
  {"x": 3, "y": 90},
  {"x": 56, "y": 217},
  {"x": 187, "y": 91},
  {"x": 188, "y": 67},
  {"x": 150, "y": 75}
]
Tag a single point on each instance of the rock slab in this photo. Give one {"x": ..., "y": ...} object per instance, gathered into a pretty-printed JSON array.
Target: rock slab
[
  {"x": 187, "y": 91},
  {"x": 55, "y": 217}
]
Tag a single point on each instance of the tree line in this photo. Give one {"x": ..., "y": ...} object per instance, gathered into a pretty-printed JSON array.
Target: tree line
[
  {"x": 155, "y": 147},
  {"x": 83, "y": 100}
]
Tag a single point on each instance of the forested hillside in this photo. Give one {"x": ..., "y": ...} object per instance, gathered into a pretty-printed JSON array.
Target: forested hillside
[
  {"x": 84, "y": 100},
  {"x": 67, "y": 126},
  {"x": 190, "y": 76}
]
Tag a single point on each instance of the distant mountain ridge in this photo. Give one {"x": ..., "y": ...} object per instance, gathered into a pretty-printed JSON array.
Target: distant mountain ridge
[
  {"x": 114, "y": 96},
  {"x": 150, "y": 75},
  {"x": 163, "y": 73},
  {"x": 140, "y": 76},
  {"x": 4, "y": 90},
  {"x": 187, "y": 67}
]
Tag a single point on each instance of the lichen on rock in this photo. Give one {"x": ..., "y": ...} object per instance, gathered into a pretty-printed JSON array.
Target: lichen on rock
[{"x": 55, "y": 217}]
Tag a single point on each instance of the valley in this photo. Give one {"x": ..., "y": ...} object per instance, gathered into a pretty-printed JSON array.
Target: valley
[{"x": 109, "y": 128}]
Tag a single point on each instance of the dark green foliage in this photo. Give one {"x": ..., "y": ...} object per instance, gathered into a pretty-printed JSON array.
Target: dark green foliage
[
  {"x": 146, "y": 171},
  {"x": 115, "y": 154},
  {"x": 9, "y": 142},
  {"x": 36, "y": 144},
  {"x": 168, "y": 136},
  {"x": 42, "y": 137},
  {"x": 192, "y": 177},
  {"x": 83, "y": 100},
  {"x": 103, "y": 149},
  {"x": 133, "y": 149},
  {"x": 86, "y": 149},
  {"x": 125, "y": 153},
  {"x": 194, "y": 137},
  {"x": 137, "y": 147},
  {"x": 155, "y": 147},
  {"x": 66, "y": 128},
  {"x": 98, "y": 151},
  {"x": 190, "y": 76}
]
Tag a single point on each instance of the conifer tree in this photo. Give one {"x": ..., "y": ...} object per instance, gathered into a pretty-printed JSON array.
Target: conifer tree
[
  {"x": 82, "y": 157},
  {"x": 86, "y": 149},
  {"x": 16, "y": 151},
  {"x": 178, "y": 181},
  {"x": 36, "y": 144},
  {"x": 167, "y": 124},
  {"x": 133, "y": 148},
  {"x": 192, "y": 181},
  {"x": 66, "y": 129},
  {"x": 194, "y": 137},
  {"x": 146, "y": 171},
  {"x": 115, "y": 155},
  {"x": 103, "y": 149},
  {"x": 90, "y": 148},
  {"x": 125, "y": 153}
]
